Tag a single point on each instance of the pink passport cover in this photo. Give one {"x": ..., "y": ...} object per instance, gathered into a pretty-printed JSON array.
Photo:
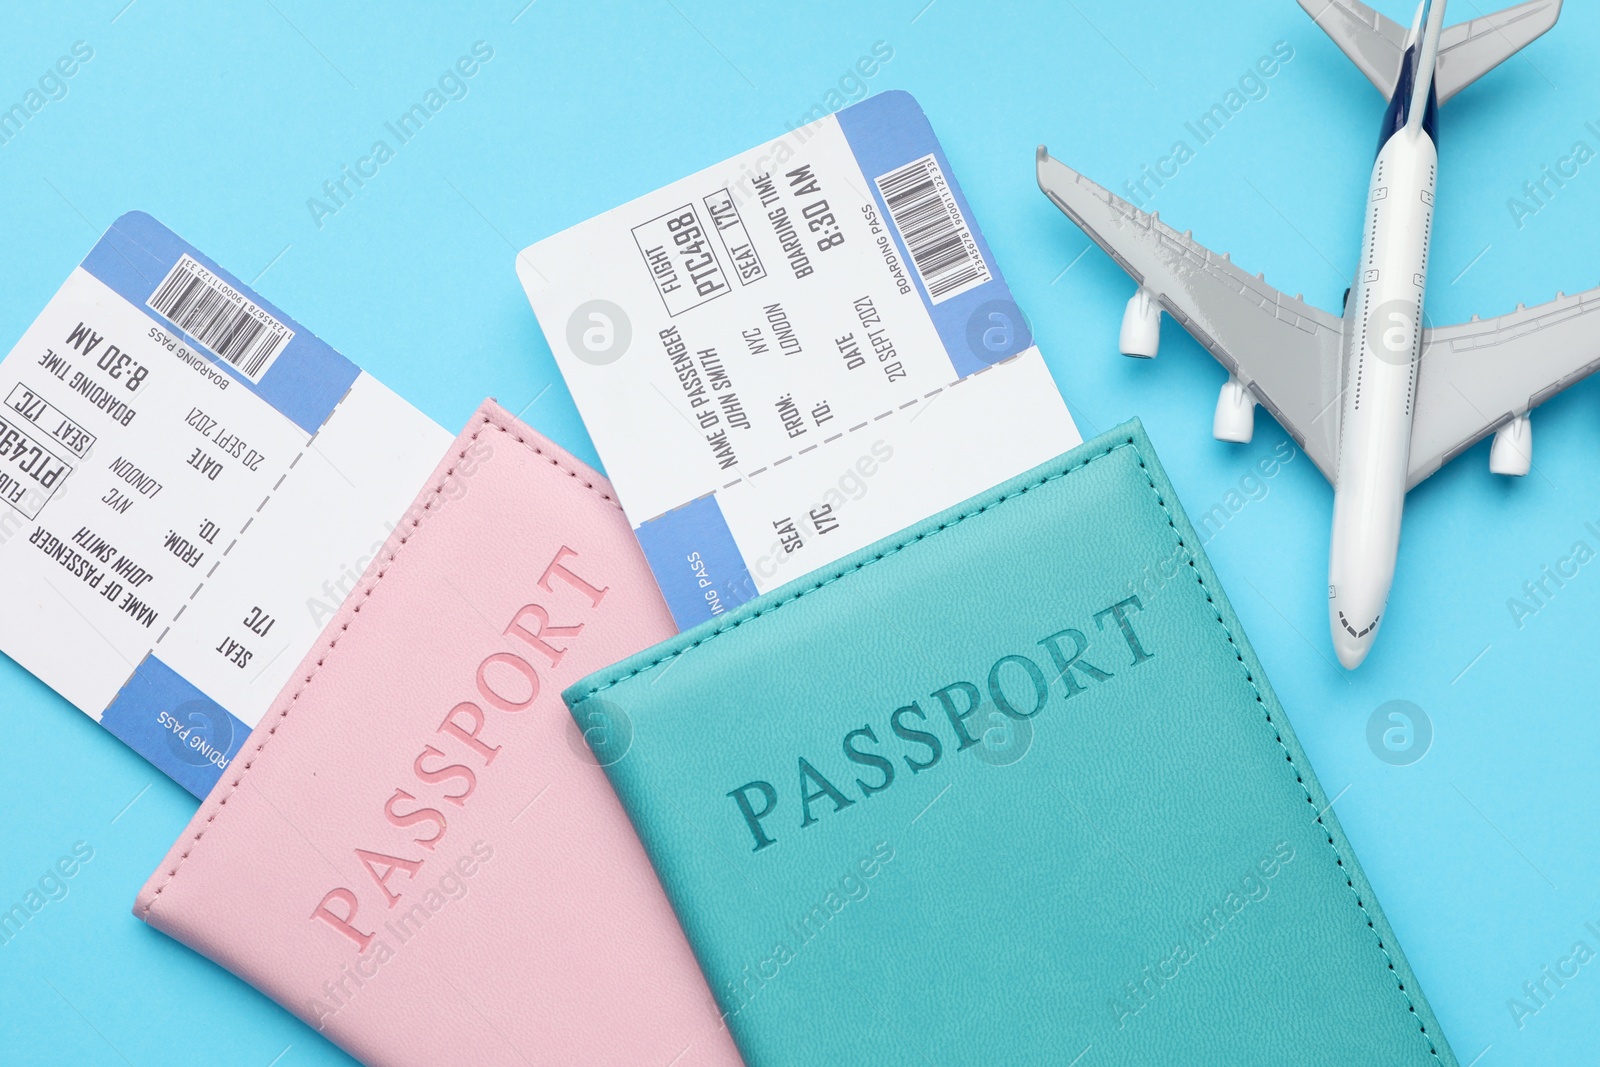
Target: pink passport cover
[{"x": 414, "y": 852}]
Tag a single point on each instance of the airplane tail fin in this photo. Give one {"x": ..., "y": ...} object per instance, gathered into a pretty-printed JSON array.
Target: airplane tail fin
[
  {"x": 1377, "y": 44},
  {"x": 1424, "y": 55}
]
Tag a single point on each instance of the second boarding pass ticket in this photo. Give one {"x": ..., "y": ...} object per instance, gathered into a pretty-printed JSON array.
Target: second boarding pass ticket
[
  {"x": 191, "y": 483},
  {"x": 793, "y": 354}
]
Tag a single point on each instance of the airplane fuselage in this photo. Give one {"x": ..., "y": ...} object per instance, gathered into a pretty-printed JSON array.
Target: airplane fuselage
[{"x": 1383, "y": 340}]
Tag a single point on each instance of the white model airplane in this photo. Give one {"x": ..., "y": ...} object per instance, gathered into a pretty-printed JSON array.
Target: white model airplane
[{"x": 1376, "y": 399}]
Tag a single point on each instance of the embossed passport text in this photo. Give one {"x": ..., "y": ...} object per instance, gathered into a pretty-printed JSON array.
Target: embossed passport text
[{"x": 416, "y": 852}]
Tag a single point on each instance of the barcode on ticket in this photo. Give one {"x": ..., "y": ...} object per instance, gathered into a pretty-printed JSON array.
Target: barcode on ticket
[
  {"x": 936, "y": 234},
  {"x": 220, "y": 317}
]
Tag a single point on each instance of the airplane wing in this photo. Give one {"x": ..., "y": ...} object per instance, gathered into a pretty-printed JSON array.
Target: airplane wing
[
  {"x": 1469, "y": 50},
  {"x": 1478, "y": 375},
  {"x": 1375, "y": 43},
  {"x": 1283, "y": 349}
]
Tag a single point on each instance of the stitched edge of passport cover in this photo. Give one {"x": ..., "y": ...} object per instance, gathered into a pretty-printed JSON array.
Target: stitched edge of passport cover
[
  {"x": 1386, "y": 951},
  {"x": 490, "y": 416}
]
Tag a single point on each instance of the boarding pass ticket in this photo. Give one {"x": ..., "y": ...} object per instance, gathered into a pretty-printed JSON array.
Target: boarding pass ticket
[
  {"x": 190, "y": 484},
  {"x": 793, "y": 354}
]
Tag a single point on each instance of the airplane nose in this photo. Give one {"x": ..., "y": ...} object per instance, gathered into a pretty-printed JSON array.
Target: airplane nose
[
  {"x": 1361, "y": 557},
  {"x": 1352, "y": 639},
  {"x": 1352, "y": 651}
]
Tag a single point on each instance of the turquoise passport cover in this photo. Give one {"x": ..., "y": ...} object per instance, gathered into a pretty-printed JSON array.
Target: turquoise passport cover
[{"x": 1008, "y": 787}]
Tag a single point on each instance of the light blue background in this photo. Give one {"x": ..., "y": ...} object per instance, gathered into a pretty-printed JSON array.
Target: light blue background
[{"x": 223, "y": 123}]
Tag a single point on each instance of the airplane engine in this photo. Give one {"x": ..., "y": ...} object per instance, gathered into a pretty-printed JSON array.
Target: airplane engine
[
  {"x": 1512, "y": 451},
  {"x": 1236, "y": 413},
  {"x": 1141, "y": 326}
]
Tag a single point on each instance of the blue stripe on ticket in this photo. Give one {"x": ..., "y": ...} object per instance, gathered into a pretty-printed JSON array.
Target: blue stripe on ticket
[
  {"x": 935, "y": 231},
  {"x": 241, "y": 334},
  {"x": 696, "y": 562},
  {"x": 187, "y": 735}
]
